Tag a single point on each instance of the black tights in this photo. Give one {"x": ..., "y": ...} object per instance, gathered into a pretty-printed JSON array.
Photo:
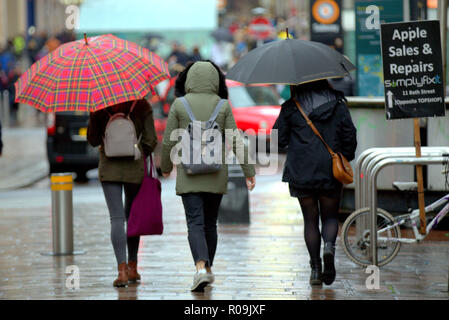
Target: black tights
[{"x": 312, "y": 208}]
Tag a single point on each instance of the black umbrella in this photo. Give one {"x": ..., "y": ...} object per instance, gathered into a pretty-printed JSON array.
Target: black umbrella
[
  {"x": 222, "y": 34},
  {"x": 290, "y": 62}
]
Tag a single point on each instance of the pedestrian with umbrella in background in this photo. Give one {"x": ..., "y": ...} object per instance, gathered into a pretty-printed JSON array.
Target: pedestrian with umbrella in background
[
  {"x": 104, "y": 75},
  {"x": 314, "y": 122}
]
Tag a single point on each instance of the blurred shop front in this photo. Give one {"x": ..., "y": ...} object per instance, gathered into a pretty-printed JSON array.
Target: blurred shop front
[{"x": 152, "y": 23}]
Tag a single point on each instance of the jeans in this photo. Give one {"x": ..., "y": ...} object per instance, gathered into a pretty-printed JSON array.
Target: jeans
[
  {"x": 201, "y": 214},
  {"x": 119, "y": 214}
]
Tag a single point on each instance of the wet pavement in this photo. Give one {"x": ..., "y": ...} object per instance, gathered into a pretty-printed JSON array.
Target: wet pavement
[
  {"x": 264, "y": 260},
  {"x": 24, "y": 158}
]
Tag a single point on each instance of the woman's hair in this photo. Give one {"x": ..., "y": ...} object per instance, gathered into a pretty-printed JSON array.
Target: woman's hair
[
  {"x": 141, "y": 108},
  {"x": 180, "y": 89},
  {"x": 313, "y": 86}
]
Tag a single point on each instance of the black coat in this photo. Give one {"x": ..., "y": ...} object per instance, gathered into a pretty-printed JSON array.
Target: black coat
[{"x": 309, "y": 164}]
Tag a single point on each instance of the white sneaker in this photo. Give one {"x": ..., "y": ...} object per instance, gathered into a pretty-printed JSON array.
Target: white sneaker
[
  {"x": 211, "y": 277},
  {"x": 200, "y": 280}
]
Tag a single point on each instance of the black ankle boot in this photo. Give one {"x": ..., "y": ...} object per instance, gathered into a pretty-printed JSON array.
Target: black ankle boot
[
  {"x": 315, "y": 275},
  {"x": 328, "y": 259}
]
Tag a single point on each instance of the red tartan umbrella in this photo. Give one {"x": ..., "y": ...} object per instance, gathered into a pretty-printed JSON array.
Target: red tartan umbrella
[{"x": 91, "y": 74}]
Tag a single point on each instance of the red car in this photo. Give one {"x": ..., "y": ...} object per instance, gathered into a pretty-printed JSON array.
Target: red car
[{"x": 255, "y": 107}]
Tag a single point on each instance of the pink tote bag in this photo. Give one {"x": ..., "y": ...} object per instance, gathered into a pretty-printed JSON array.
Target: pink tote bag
[{"x": 146, "y": 210}]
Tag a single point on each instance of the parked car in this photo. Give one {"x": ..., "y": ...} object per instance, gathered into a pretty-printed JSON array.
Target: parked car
[
  {"x": 67, "y": 147},
  {"x": 255, "y": 107}
]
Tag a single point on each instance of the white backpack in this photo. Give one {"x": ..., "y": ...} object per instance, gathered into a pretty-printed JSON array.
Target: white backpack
[
  {"x": 120, "y": 138},
  {"x": 199, "y": 144}
]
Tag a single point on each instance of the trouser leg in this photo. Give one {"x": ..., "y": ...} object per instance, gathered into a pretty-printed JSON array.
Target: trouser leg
[
  {"x": 211, "y": 206},
  {"x": 113, "y": 195},
  {"x": 131, "y": 190},
  {"x": 194, "y": 210}
]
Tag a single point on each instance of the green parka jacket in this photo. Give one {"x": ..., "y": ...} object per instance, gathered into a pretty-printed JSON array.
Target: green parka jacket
[{"x": 201, "y": 88}]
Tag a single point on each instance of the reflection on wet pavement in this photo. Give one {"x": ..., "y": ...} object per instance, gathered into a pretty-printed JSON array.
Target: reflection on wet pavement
[{"x": 264, "y": 260}]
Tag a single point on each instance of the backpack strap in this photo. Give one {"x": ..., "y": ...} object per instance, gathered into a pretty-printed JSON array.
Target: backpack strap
[
  {"x": 132, "y": 106},
  {"x": 217, "y": 109},
  {"x": 188, "y": 109},
  {"x": 130, "y": 110}
]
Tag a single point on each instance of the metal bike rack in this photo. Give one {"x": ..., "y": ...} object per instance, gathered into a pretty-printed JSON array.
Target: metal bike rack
[
  {"x": 373, "y": 188},
  {"x": 370, "y": 157},
  {"x": 367, "y": 167},
  {"x": 367, "y": 161}
]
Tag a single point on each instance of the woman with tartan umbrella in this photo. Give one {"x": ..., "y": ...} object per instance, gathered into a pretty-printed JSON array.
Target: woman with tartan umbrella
[
  {"x": 118, "y": 173},
  {"x": 104, "y": 75}
]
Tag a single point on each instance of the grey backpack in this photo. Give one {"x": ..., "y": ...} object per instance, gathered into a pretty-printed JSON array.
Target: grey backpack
[
  {"x": 202, "y": 143},
  {"x": 120, "y": 138}
]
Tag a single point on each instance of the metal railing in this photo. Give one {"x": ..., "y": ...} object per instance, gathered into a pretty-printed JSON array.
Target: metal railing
[
  {"x": 367, "y": 168},
  {"x": 373, "y": 188},
  {"x": 370, "y": 157}
]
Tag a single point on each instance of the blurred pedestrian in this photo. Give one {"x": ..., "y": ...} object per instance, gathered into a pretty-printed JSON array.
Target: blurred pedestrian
[
  {"x": 308, "y": 168},
  {"x": 196, "y": 55},
  {"x": 1, "y": 141},
  {"x": 203, "y": 85},
  {"x": 14, "y": 75},
  {"x": 118, "y": 173},
  {"x": 221, "y": 54},
  {"x": 32, "y": 48},
  {"x": 178, "y": 54},
  {"x": 7, "y": 58}
]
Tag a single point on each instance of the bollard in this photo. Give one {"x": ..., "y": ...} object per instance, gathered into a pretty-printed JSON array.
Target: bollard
[
  {"x": 62, "y": 214},
  {"x": 5, "y": 114},
  {"x": 234, "y": 207}
]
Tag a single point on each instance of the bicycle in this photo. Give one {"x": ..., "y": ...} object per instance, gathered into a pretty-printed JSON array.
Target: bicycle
[{"x": 356, "y": 228}]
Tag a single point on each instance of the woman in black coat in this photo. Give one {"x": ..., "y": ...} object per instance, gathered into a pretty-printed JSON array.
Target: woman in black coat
[{"x": 308, "y": 168}]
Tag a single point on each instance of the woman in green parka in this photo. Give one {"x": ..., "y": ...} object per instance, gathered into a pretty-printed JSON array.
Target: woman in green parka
[
  {"x": 203, "y": 85},
  {"x": 123, "y": 173}
]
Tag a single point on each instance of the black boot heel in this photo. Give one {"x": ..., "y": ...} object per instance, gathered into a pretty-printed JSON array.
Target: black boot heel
[
  {"x": 329, "y": 266},
  {"x": 316, "y": 275}
]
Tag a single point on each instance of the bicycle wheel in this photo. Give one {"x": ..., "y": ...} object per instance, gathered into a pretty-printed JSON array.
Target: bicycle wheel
[{"x": 356, "y": 237}]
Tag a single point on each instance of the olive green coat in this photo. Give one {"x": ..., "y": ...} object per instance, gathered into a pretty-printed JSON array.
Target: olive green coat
[
  {"x": 123, "y": 169},
  {"x": 201, "y": 92}
]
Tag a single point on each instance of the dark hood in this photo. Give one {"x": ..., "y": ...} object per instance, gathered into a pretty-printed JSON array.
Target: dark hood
[{"x": 318, "y": 104}]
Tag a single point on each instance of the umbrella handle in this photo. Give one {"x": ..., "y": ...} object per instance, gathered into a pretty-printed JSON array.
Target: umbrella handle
[{"x": 85, "y": 39}]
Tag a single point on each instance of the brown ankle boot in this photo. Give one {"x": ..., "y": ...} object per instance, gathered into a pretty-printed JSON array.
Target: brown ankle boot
[
  {"x": 122, "y": 279},
  {"x": 133, "y": 275}
]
